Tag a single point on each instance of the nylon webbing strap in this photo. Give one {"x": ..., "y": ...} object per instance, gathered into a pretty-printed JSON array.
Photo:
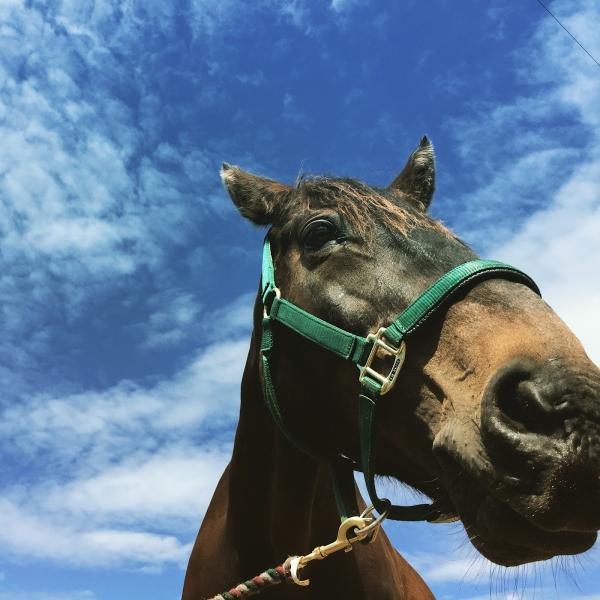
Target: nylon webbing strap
[
  {"x": 344, "y": 487},
  {"x": 343, "y": 343},
  {"x": 449, "y": 284},
  {"x": 268, "y": 268},
  {"x": 346, "y": 345},
  {"x": 356, "y": 348},
  {"x": 417, "y": 512},
  {"x": 269, "y": 394}
]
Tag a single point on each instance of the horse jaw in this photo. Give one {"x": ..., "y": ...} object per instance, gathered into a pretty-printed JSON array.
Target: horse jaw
[{"x": 519, "y": 439}]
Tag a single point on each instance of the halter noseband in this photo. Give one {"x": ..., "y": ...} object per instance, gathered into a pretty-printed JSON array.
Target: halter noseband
[{"x": 362, "y": 352}]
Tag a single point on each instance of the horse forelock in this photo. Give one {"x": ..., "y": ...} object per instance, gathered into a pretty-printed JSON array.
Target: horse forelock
[{"x": 359, "y": 204}]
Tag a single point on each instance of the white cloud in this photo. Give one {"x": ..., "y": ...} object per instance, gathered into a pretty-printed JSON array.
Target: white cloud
[
  {"x": 232, "y": 318},
  {"x": 26, "y": 534},
  {"x": 526, "y": 593},
  {"x": 89, "y": 195},
  {"x": 344, "y": 5},
  {"x": 457, "y": 570},
  {"x": 560, "y": 245},
  {"x": 98, "y": 424},
  {"x": 521, "y": 594},
  {"x": 291, "y": 110},
  {"x": 295, "y": 12},
  {"x": 177, "y": 317},
  {"x": 174, "y": 484},
  {"x": 123, "y": 474},
  {"x": 448, "y": 566},
  {"x": 443, "y": 568},
  {"x": 537, "y": 159},
  {"x": 37, "y": 595},
  {"x": 560, "y": 248},
  {"x": 173, "y": 319}
]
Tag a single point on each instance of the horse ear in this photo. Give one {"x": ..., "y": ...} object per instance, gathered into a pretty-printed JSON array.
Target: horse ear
[
  {"x": 255, "y": 197},
  {"x": 418, "y": 176}
]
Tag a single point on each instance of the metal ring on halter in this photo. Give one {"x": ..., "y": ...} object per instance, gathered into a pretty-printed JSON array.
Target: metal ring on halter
[
  {"x": 277, "y": 294},
  {"x": 373, "y": 526}
]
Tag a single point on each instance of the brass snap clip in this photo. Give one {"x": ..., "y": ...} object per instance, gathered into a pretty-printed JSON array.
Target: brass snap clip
[{"x": 352, "y": 530}]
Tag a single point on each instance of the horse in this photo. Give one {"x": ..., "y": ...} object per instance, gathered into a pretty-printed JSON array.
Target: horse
[{"x": 494, "y": 414}]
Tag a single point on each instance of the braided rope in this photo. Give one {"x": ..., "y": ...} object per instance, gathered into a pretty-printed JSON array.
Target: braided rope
[{"x": 257, "y": 584}]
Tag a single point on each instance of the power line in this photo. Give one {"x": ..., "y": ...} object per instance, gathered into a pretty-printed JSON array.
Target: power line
[{"x": 576, "y": 40}]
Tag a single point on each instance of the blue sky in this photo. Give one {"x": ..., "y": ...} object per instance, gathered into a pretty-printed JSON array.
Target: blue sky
[{"x": 121, "y": 253}]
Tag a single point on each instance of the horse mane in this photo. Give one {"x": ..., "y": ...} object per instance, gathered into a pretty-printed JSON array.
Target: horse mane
[{"x": 362, "y": 205}]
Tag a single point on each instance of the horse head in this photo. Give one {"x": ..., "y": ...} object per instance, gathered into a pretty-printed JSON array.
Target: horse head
[{"x": 495, "y": 414}]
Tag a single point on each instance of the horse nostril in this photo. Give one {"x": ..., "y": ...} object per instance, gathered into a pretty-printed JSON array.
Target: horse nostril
[{"x": 523, "y": 401}]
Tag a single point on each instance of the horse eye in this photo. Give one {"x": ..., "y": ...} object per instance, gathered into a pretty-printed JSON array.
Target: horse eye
[{"x": 318, "y": 233}]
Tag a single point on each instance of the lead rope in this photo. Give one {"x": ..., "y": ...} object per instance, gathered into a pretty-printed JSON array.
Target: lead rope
[
  {"x": 258, "y": 584},
  {"x": 354, "y": 529}
]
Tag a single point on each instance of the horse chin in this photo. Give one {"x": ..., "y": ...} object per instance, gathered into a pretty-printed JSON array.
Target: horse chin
[
  {"x": 507, "y": 538},
  {"x": 509, "y": 528}
]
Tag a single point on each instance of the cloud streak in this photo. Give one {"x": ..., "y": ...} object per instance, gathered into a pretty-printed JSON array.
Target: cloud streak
[
  {"x": 133, "y": 466},
  {"x": 25, "y": 534},
  {"x": 537, "y": 159},
  {"x": 559, "y": 244},
  {"x": 90, "y": 195}
]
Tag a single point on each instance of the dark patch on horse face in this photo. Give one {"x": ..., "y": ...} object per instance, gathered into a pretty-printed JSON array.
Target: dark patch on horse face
[{"x": 365, "y": 276}]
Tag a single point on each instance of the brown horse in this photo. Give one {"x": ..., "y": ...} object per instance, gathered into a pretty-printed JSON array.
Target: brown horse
[{"x": 495, "y": 414}]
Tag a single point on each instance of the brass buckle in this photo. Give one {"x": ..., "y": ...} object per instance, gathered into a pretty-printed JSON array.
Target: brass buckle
[{"x": 387, "y": 381}]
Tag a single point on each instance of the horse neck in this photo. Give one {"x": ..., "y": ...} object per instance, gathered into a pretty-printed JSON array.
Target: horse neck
[
  {"x": 278, "y": 496},
  {"x": 280, "y": 502}
]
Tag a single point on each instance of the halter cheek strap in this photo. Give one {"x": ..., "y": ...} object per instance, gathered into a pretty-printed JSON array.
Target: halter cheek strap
[{"x": 362, "y": 352}]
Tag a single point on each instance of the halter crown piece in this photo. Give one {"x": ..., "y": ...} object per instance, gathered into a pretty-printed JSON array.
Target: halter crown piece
[{"x": 362, "y": 351}]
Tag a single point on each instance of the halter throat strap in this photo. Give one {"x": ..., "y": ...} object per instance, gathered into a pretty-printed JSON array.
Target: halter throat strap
[{"x": 362, "y": 351}]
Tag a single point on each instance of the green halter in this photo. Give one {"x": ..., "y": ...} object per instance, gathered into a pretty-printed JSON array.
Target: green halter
[{"x": 362, "y": 351}]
